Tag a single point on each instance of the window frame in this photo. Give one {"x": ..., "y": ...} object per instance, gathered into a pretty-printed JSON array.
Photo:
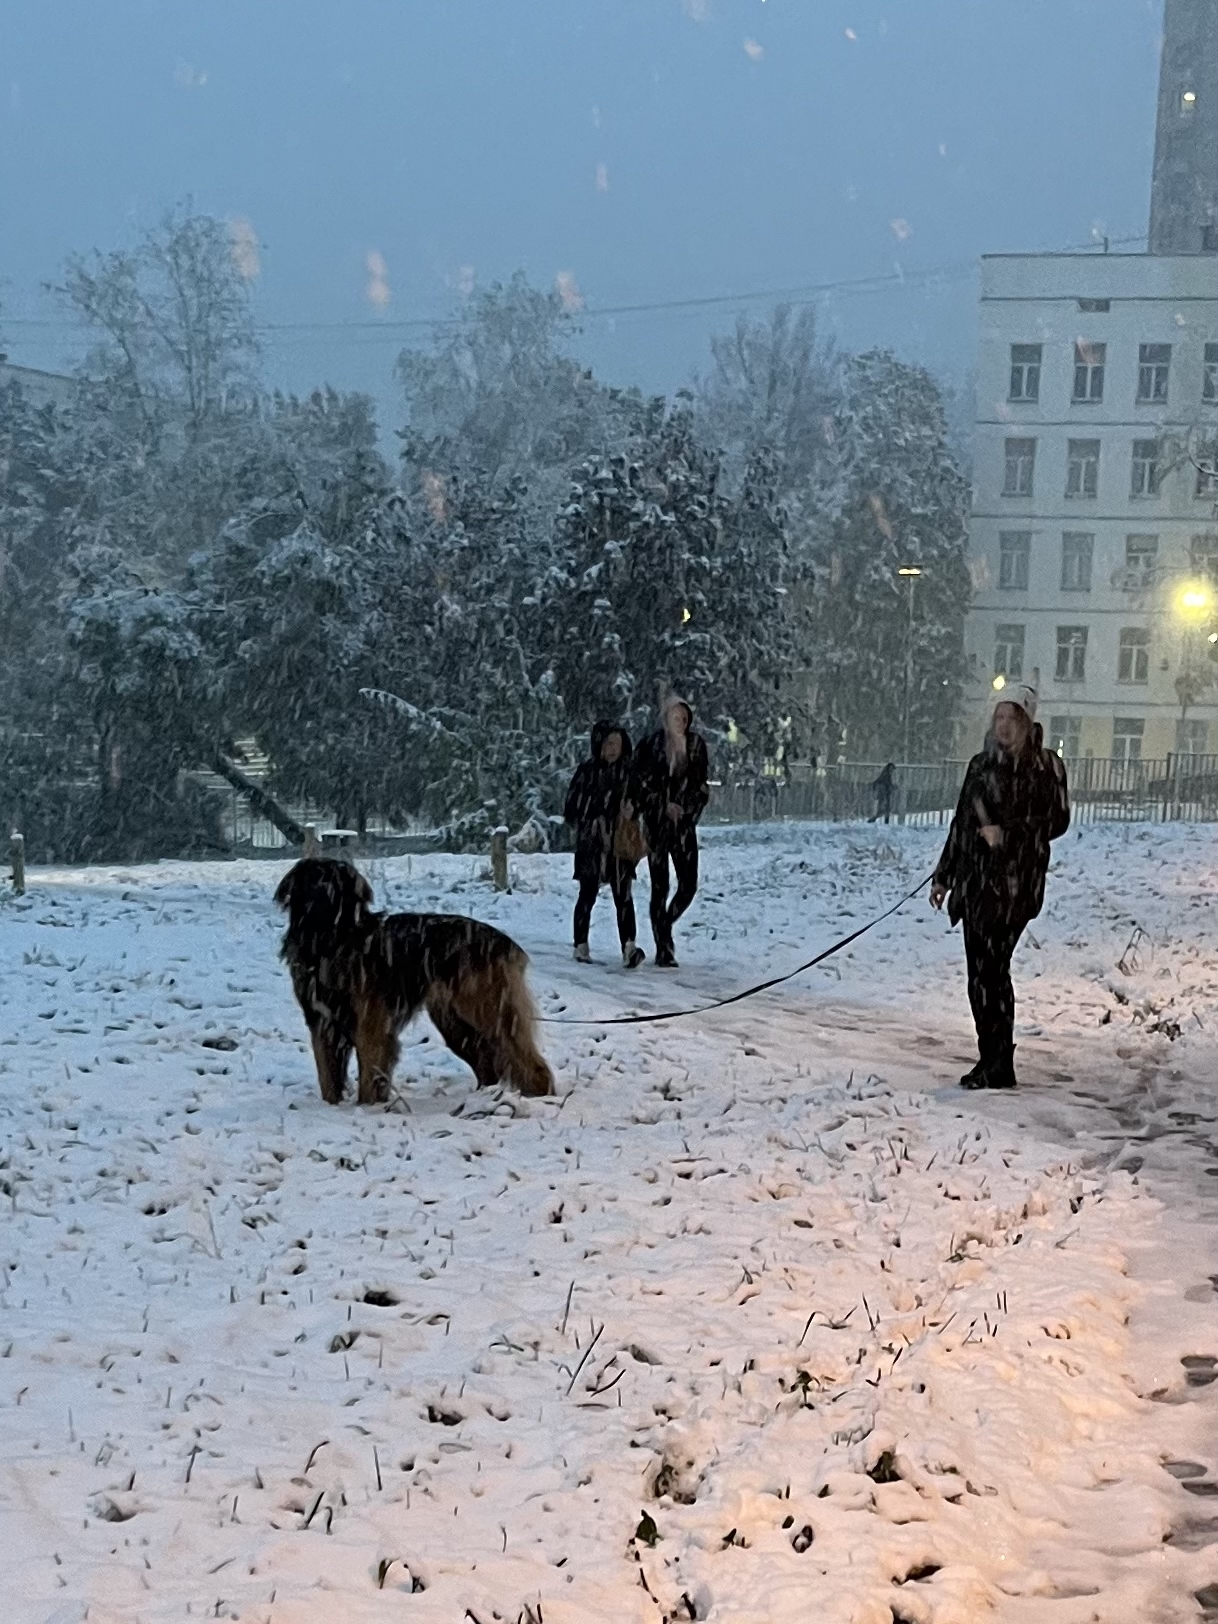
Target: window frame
[
  {"x": 1074, "y": 647},
  {"x": 1153, "y": 371},
  {"x": 1145, "y": 565},
  {"x": 1067, "y": 728},
  {"x": 1146, "y": 474},
  {"x": 1133, "y": 656},
  {"x": 1209, "y": 374},
  {"x": 1090, "y": 361},
  {"x": 1086, "y": 467},
  {"x": 1028, "y": 368},
  {"x": 1023, "y": 462},
  {"x": 1134, "y": 731},
  {"x": 1020, "y": 551},
  {"x": 1004, "y": 641},
  {"x": 1071, "y": 540}
]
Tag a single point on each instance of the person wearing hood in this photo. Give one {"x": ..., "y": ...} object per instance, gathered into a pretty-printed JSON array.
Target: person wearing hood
[
  {"x": 1014, "y": 802},
  {"x": 594, "y": 802},
  {"x": 669, "y": 790}
]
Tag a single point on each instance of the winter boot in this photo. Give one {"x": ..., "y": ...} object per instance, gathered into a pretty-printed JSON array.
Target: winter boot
[
  {"x": 632, "y": 955},
  {"x": 1000, "y": 1068},
  {"x": 666, "y": 959},
  {"x": 974, "y": 1077},
  {"x": 582, "y": 955}
]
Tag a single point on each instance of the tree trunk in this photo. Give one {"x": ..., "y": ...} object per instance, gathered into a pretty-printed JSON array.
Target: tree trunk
[{"x": 262, "y": 803}]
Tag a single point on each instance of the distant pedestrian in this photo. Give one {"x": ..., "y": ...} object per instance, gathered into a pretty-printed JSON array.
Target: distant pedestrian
[
  {"x": 594, "y": 804},
  {"x": 884, "y": 786},
  {"x": 1014, "y": 802},
  {"x": 669, "y": 790}
]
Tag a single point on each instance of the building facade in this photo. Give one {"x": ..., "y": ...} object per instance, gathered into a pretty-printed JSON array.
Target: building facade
[
  {"x": 39, "y": 388},
  {"x": 1184, "y": 193},
  {"x": 1094, "y": 533}
]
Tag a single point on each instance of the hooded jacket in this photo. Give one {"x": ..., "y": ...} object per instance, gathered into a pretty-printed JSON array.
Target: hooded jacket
[
  {"x": 654, "y": 785},
  {"x": 593, "y": 801},
  {"x": 1026, "y": 796}
]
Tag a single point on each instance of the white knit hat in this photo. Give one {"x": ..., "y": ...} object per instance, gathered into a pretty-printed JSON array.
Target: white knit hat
[{"x": 1021, "y": 694}]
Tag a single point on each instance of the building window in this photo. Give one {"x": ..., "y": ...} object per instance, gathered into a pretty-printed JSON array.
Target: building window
[
  {"x": 1141, "y": 556},
  {"x": 1077, "y": 550},
  {"x": 1008, "y": 651},
  {"x": 1209, "y": 378},
  {"x": 1146, "y": 473},
  {"x": 1192, "y": 737},
  {"x": 1015, "y": 551},
  {"x": 1203, "y": 557},
  {"x": 1133, "y": 660},
  {"x": 1209, "y": 238},
  {"x": 1065, "y": 736},
  {"x": 1127, "y": 734},
  {"x": 1071, "y": 653},
  {"x": 1025, "y": 372},
  {"x": 1083, "y": 468},
  {"x": 1021, "y": 460},
  {"x": 1088, "y": 374},
  {"x": 1207, "y": 476},
  {"x": 1154, "y": 365},
  {"x": 1095, "y": 306}
]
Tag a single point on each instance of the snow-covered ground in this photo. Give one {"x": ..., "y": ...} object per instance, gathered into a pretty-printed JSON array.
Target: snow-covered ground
[{"x": 761, "y": 1320}]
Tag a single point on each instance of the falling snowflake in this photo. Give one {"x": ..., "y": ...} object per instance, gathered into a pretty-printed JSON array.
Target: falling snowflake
[
  {"x": 602, "y": 177},
  {"x": 697, "y": 10},
  {"x": 901, "y": 229},
  {"x": 189, "y": 77},
  {"x": 378, "y": 280},
  {"x": 753, "y": 51},
  {"x": 567, "y": 289},
  {"x": 246, "y": 256},
  {"x": 850, "y": 34}
]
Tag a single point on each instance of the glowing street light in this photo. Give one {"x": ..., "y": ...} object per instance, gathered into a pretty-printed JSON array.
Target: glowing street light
[
  {"x": 999, "y": 683},
  {"x": 1194, "y": 600}
]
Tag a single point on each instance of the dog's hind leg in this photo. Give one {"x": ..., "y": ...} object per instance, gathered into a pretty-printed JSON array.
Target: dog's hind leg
[
  {"x": 331, "y": 1052},
  {"x": 376, "y": 1049},
  {"x": 497, "y": 1004},
  {"x": 465, "y": 1041}
]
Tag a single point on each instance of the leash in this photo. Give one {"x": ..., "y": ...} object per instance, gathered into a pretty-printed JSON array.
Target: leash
[{"x": 749, "y": 992}]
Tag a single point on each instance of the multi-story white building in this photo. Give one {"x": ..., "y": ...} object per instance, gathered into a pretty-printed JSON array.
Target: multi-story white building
[{"x": 1094, "y": 532}]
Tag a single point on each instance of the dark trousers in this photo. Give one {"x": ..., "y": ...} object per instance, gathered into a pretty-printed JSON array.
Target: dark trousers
[
  {"x": 988, "y": 947},
  {"x": 621, "y": 881},
  {"x": 682, "y": 846}
]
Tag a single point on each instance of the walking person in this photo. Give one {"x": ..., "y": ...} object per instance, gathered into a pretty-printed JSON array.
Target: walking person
[
  {"x": 594, "y": 803},
  {"x": 884, "y": 787},
  {"x": 669, "y": 790},
  {"x": 992, "y": 872}
]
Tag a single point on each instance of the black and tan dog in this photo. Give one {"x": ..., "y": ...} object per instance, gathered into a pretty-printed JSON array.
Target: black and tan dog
[{"x": 360, "y": 976}]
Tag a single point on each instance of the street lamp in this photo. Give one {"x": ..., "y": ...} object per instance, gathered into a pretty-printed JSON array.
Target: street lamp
[{"x": 911, "y": 573}]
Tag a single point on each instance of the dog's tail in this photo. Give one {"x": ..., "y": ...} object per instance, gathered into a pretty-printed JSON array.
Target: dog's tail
[{"x": 524, "y": 1063}]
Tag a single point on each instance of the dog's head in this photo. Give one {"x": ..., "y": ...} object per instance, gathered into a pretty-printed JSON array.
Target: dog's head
[{"x": 325, "y": 899}]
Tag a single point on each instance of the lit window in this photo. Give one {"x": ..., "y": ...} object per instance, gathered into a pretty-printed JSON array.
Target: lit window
[{"x": 1188, "y": 102}]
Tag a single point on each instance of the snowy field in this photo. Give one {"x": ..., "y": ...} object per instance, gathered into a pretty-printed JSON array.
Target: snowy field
[{"x": 762, "y": 1319}]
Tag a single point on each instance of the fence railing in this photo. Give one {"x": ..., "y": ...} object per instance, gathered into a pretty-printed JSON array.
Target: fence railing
[{"x": 1172, "y": 788}]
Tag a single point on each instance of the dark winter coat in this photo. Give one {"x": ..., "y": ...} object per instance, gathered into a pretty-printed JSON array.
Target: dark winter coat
[
  {"x": 1026, "y": 796},
  {"x": 594, "y": 800},
  {"x": 653, "y": 786}
]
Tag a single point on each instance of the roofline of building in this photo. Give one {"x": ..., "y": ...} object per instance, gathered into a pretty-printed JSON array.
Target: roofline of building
[{"x": 1096, "y": 254}]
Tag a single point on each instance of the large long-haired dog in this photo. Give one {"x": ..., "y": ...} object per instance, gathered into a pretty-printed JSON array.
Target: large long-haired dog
[{"x": 360, "y": 976}]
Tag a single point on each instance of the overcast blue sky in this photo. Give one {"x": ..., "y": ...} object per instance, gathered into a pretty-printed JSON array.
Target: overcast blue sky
[{"x": 652, "y": 149}]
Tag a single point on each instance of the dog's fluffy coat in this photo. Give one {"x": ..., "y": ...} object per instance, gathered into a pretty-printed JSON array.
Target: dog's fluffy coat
[{"x": 360, "y": 976}]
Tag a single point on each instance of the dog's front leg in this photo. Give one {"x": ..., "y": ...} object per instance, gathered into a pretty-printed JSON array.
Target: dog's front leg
[
  {"x": 331, "y": 1053},
  {"x": 376, "y": 1050}
]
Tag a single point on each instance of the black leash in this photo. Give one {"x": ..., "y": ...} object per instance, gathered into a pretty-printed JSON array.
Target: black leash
[{"x": 749, "y": 992}]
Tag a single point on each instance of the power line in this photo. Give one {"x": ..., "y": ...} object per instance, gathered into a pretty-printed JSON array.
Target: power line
[{"x": 804, "y": 292}]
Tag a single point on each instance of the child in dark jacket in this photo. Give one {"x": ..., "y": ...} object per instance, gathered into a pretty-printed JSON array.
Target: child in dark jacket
[{"x": 594, "y": 802}]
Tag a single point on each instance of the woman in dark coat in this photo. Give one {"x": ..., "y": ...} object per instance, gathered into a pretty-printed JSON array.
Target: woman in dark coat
[
  {"x": 1013, "y": 803},
  {"x": 593, "y": 803},
  {"x": 668, "y": 791}
]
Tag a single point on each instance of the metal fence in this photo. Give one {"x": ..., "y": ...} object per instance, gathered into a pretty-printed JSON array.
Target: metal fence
[{"x": 1174, "y": 788}]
